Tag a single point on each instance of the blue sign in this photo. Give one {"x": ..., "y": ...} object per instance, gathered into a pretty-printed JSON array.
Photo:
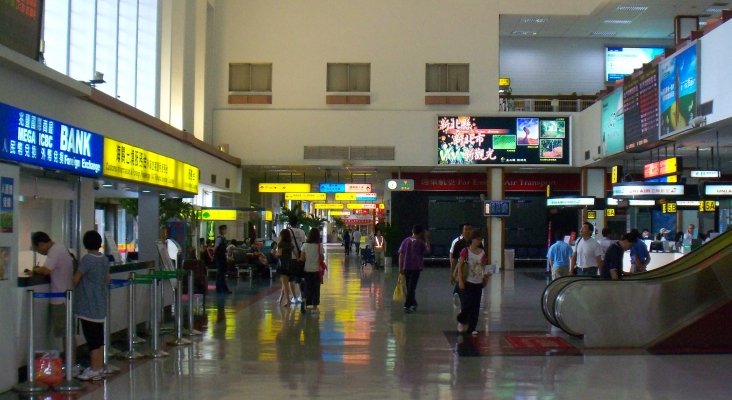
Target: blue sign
[
  {"x": 34, "y": 139},
  {"x": 332, "y": 187}
]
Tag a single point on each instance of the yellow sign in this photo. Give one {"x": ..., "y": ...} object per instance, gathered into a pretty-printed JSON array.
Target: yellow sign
[
  {"x": 668, "y": 208},
  {"x": 359, "y": 206},
  {"x": 609, "y": 212},
  {"x": 328, "y": 206},
  {"x": 345, "y": 196},
  {"x": 339, "y": 213},
  {"x": 615, "y": 175},
  {"x": 504, "y": 81},
  {"x": 268, "y": 215},
  {"x": 218, "y": 215},
  {"x": 284, "y": 188},
  {"x": 591, "y": 214},
  {"x": 707, "y": 205},
  {"x": 125, "y": 161},
  {"x": 306, "y": 196}
]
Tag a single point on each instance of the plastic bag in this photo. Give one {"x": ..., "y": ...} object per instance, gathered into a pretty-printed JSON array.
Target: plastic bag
[
  {"x": 399, "y": 290},
  {"x": 48, "y": 367}
]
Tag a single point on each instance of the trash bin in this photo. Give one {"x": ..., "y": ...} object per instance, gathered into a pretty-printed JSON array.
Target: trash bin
[{"x": 508, "y": 258}]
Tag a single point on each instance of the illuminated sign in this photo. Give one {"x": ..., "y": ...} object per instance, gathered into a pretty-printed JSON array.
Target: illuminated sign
[
  {"x": 217, "y": 215},
  {"x": 355, "y": 196},
  {"x": 678, "y": 91},
  {"x": 504, "y": 81},
  {"x": 570, "y": 201},
  {"x": 705, "y": 174},
  {"x": 497, "y": 208},
  {"x": 344, "y": 187},
  {"x": 467, "y": 140},
  {"x": 664, "y": 179},
  {"x": 708, "y": 205},
  {"x": 268, "y": 216},
  {"x": 609, "y": 212},
  {"x": 284, "y": 188},
  {"x": 687, "y": 203},
  {"x": 650, "y": 189},
  {"x": 616, "y": 175},
  {"x": 591, "y": 214},
  {"x": 125, "y": 161},
  {"x": 359, "y": 206},
  {"x": 665, "y": 167},
  {"x": 306, "y": 196},
  {"x": 718, "y": 189},
  {"x": 358, "y": 188},
  {"x": 633, "y": 202},
  {"x": 339, "y": 213},
  {"x": 358, "y": 221},
  {"x": 668, "y": 208},
  {"x": 403, "y": 185},
  {"x": 328, "y": 206},
  {"x": 34, "y": 139}
]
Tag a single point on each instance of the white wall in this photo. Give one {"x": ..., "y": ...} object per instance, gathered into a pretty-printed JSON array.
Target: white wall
[
  {"x": 558, "y": 65},
  {"x": 715, "y": 61},
  {"x": 587, "y": 135}
]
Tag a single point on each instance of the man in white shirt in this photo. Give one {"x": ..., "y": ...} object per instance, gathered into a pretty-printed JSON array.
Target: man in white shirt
[
  {"x": 60, "y": 267},
  {"x": 357, "y": 240},
  {"x": 689, "y": 235},
  {"x": 587, "y": 257}
]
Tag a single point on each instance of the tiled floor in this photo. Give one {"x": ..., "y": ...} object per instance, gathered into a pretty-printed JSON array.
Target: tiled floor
[{"x": 362, "y": 346}]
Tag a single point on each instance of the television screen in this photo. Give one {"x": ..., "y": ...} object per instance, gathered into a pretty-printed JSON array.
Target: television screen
[
  {"x": 497, "y": 208},
  {"x": 21, "y": 26},
  {"x": 622, "y": 61},
  {"x": 465, "y": 140}
]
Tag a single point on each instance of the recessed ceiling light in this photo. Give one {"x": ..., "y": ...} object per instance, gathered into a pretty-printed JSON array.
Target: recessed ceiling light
[
  {"x": 603, "y": 34},
  {"x": 523, "y": 33},
  {"x": 716, "y": 9},
  {"x": 534, "y": 20},
  {"x": 617, "y": 21},
  {"x": 631, "y": 8}
]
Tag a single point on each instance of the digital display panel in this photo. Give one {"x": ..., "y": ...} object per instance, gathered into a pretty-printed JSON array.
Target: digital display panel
[
  {"x": 497, "y": 208},
  {"x": 467, "y": 140},
  {"x": 34, "y": 139},
  {"x": 678, "y": 91},
  {"x": 640, "y": 111},
  {"x": 622, "y": 61},
  {"x": 21, "y": 26},
  {"x": 612, "y": 120}
]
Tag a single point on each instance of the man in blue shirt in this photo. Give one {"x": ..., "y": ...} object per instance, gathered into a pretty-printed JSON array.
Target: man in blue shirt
[
  {"x": 558, "y": 257},
  {"x": 639, "y": 255},
  {"x": 612, "y": 268}
]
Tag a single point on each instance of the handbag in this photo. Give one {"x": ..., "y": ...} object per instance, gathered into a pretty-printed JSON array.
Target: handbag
[
  {"x": 322, "y": 265},
  {"x": 297, "y": 267},
  {"x": 399, "y": 290}
]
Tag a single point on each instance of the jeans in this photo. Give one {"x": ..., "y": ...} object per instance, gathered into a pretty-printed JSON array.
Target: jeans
[
  {"x": 311, "y": 289},
  {"x": 412, "y": 277},
  {"x": 589, "y": 271},
  {"x": 221, "y": 286}
]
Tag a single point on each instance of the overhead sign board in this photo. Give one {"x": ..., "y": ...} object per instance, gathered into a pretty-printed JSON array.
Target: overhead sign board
[
  {"x": 37, "y": 140},
  {"x": 328, "y": 206},
  {"x": 705, "y": 174},
  {"x": 399, "y": 185},
  {"x": 592, "y": 214},
  {"x": 208, "y": 214},
  {"x": 609, "y": 212},
  {"x": 359, "y": 206},
  {"x": 124, "y": 161},
  {"x": 632, "y": 202},
  {"x": 708, "y": 206},
  {"x": 718, "y": 189},
  {"x": 665, "y": 167},
  {"x": 355, "y": 196},
  {"x": 616, "y": 174},
  {"x": 570, "y": 201},
  {"x": 337, "y": 213},
  {"x": 668, "y": 208},
  {"x": 647, "y": 189},
  {"x": 344, "y": 187},
  {"x": 306, "y": 196},
  {"x": 284, "y": 188}
]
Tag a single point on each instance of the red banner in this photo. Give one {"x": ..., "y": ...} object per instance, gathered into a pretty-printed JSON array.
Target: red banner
[{"x": 478, "y": 182}]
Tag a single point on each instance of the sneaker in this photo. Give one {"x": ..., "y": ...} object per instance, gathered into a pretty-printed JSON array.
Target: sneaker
[
  {"x": 90, "y": 375},
  {"x": 475, "y": 333},
  {"x": 460, "y": 327},
  {"x": 408, "y": 310},
  {"x": 456, "y": 300},
  {"x": 77, "y": 370}
]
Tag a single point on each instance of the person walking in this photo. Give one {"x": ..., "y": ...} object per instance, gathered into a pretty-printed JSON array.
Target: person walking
[
  {"x": 90, "y": 302},
  {"x": 347, "y": 241},
  {"x": 587, "y": 256},
  {"x": 220, "y": 261},
  {"x": 298, "y": 238},
  {"x": 472, "y": 277},
  {"x": 285, "y": 254},
  {"x": 411, "y": 263},
  {"x": 310, "y": 253},
  {"x": 357, "y": 240},
  {"x": 558, "y": 257},
  {"x": 379, "y": 249},
  {"x": 457, "y": 246}
]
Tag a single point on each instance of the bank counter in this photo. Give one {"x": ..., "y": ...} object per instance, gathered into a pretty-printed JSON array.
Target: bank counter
[{"x": 44, "y": 340}]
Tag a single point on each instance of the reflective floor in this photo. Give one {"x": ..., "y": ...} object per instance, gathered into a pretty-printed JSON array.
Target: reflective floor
[{"x": 361, "y": 345}]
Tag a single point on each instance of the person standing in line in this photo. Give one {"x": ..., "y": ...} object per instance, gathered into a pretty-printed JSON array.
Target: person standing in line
[
  {"x": 639, "y": 255},
  {"x": 298, "y": 238},
  {"x": 587, "y": 256},
  {"x": 689, "y": 235},
  {"x": 558, "y": 257},
  {"x": 347, "y": 241},
  {"x": 457, "y": 246},
  {"x": 90, "y": 302},
  {"x": 612, "y": 267},
  {"x": 357, "y": 240},
  {"x": 59, "y": 266},
  {"x": 472, "y": 277},
  {"x": 285, "y": 254},
  {"x": 411, "y": 263},
  {"x": 220, "y": 261},
  {"x": 310, "y": 254},
  {"x": 379, "y": 249}
]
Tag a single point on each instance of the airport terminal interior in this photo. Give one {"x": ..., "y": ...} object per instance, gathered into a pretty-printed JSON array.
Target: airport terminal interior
[{"x": 157, "y": 123}]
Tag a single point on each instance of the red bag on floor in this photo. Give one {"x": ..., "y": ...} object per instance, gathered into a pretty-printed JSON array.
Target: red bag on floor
[{"x": 48, "y": 368}]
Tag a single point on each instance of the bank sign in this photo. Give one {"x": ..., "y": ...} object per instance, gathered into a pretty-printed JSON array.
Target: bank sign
[{"x": 37, "y": 140}]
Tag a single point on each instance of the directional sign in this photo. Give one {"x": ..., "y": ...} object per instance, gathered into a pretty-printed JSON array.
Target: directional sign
[
  {"x": 306, "y": 196},
  {"x": 284, "y": 187}
]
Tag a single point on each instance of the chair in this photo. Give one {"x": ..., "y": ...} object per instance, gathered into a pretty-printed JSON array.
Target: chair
[{"x": 241, "y": 265}]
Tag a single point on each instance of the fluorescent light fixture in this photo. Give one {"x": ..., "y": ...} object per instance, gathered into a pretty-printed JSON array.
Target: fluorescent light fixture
[
  {"x": 523, "y": 33},
  {"x": 530, "y": 20},
  {"x": 716, "y": 9},
  {"x": 631, "y": 8},
  {"x": 705, "y": 174},
  {"x": 603, "y": 34},
  {"x": 107, "y": 185},
  {"x": 617, "y": 21},
  {"x": 145, "y": 191}
]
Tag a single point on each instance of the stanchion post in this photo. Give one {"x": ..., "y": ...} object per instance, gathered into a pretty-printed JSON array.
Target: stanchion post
[
  {"x": 108, "y": 350},
  {"x": 156, "y": 352},
  {"x": 131, "y": 354},
  {"x": 191, "y": 330},
  {"x": 69, "y": 385},
  {"x": 30, "y": 386},
  {"x": 179, "y": 339}
]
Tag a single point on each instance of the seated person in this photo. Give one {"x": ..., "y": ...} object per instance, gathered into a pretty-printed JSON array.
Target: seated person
[{"x": 258, "y": 260}]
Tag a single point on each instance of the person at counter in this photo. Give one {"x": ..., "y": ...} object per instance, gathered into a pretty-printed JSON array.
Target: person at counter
[
  {"x": 59, "y": 266},
  {"x": 612, "y": 267},
  {"x": 689, "y": 235},
  {"x": 639, "y": 255},
  {"x": 587, "y": 256}
]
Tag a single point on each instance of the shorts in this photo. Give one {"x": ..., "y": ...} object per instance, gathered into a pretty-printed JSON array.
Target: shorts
[
  {"x": 93, "y": 332},
  {"x": 58, "y": 319}
]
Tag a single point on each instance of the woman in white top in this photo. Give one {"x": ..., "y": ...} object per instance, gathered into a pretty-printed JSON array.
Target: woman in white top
[
  {"x": 310, "y": 253},
  {"x": 472, "y": 276}
]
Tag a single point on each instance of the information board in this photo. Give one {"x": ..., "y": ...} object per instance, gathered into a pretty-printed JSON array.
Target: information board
[{"x": 640, "y": 111}]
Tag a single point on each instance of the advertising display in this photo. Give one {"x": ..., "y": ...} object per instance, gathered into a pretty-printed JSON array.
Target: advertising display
[
  {"x": 466, "y": 140},
  {"x": 622, "y": 61},
  {"x": 640, "y": 111},
  {"x": 612, "y": 121},
  {"x": 497, "y": 208},
  {"x": 34, "y": 139},
  {"x": 678, "y": 91},
  {"x": 631, "y": 189}
]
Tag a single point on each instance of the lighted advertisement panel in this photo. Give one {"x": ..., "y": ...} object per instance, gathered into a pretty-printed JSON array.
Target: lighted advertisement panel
[
  {"x": 21, "y": 26},
  {"x": 622, "y": 61},
  {"x": 467, "y": 140},
  {"x": 612, "y": 120},
  {"x": 640, "y": 110},
  {"x": 678, "y": 91}
]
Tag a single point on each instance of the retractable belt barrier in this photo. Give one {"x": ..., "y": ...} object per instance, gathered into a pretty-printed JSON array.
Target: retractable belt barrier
[
  {"x": 108, "y": 350},
  {"x": 191, "y": 330},
  {"x": 153, "y": 280}
]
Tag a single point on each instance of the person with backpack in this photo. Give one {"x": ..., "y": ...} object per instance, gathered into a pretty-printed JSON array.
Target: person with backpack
[{"x": 411, "y": 262}]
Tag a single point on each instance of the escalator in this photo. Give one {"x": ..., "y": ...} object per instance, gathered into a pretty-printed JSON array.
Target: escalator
[{"x": 685, "y": 304}]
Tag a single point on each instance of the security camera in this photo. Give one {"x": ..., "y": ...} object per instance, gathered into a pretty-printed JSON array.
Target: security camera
[{"x": 698, "y": 121}]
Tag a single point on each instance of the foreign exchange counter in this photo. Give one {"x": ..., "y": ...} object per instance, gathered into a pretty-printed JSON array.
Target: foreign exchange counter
[
  {"x": 658, "y": 259},
  {"x": 119, "y": 306}
]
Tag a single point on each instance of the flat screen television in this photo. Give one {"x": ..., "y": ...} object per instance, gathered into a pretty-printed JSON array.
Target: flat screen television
[
  {"x": 622, "y": 61},
  {"x": 497, "y": 208}
]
